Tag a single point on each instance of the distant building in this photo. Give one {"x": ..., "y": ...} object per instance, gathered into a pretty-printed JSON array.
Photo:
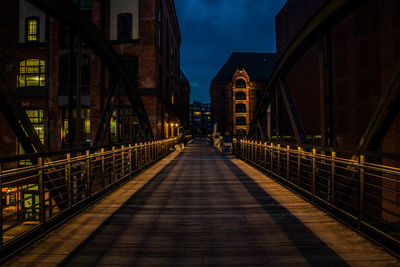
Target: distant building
[
  {"x": 183, "y": 101},
  {"x": 200, "y": 118},
  {"x": 235, "y": 89}
]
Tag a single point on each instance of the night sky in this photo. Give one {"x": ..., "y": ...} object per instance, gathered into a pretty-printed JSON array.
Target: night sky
[{"x": 213, "y": 29}]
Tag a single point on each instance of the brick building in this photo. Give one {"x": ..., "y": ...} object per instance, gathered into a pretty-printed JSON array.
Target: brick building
[
  {"x": 235, "y": 89},
  {"x": 365, "y": 54},
  {"x": 39, "y": 59},
  {"x": 200, "y": 119}
]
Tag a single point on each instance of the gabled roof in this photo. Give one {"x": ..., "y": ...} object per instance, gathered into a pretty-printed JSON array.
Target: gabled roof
[
  {"x": 258, "y": 65},
  {"x": 182, "y": 77}
]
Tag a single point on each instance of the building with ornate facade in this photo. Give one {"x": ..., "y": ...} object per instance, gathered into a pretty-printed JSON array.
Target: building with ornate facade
[
  {"x": 235, "y": 89},
  {"x": 39, "y": 59}
]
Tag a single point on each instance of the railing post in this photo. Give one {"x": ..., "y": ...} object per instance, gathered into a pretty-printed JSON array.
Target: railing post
[
  {"x": 42, "y": 207},
  {"x": 1, "y": 209},
  {"x": 279, "y": 159},
  {"x": 114, "y": 176},
  {"x": 332, "y": 180},
  {"x": 313, "y": 172},
  {"x": 287, "y": 162},
  {"x": 361, "y": 192},
  {"x": 69, "y": 191},
  {"x": 271, "y": 156},
  {"x": 130, "y": 160},
  {"x": 265, "y": 154},
  {"x": 89, "y": 177},
  {"x": 123, "y": 160},
  {"x": 102, "y": 166},
  {"x": 298, "y": 165}
]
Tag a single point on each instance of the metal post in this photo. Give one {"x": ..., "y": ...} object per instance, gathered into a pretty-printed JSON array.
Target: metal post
[
  {"x": 271, "y": 156},
  {"x": 361, "y": 192},
  {"x": 88, "y": 176},
  {"x": 265, "y": 154},
  {"x": 69, "y": 191},
  {"x": 279, "y": 159},
  {"x": 123, "y": 160},
  {"x": 313, "y": 172},
  {"x": 287, "y": 161},
  {"x": 1, "y": 209},
  {"x": 298, "y": 165},
  {"x": 130, "y": 160},
  {"x": 332, "y": 185},
  {"x": 42, "y": 207},
  {"x": 78, "y": 90},
  {"x": 114, "y": 176},
  {"x": 321, "y": 55},
  {"x": 102, "y": 166}
]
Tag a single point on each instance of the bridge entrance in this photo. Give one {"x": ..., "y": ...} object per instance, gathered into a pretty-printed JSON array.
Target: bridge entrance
[{"x": 198, "y": 207}]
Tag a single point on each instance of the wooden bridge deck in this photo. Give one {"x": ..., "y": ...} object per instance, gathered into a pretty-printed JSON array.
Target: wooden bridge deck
[{"x": 199, "y": 208}]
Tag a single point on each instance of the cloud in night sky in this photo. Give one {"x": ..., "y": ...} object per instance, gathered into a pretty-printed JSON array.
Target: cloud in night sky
[{"x": 213, "y": 29}]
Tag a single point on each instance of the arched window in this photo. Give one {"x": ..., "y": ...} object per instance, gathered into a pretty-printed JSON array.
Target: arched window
[
  {"x": 31, "y": 73},
  {"x": 125, "y": 26},
  {"x": 32, "y": 27},
  {"x": 240, "y": 96},
  {"x": 240, "y": 108},
  {"x": 241, "y": 120},
  {"x": 240, "y": 83}
]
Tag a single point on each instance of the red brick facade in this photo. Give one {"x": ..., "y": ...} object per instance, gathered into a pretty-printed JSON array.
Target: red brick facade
[{"x": 156, "y": 51}]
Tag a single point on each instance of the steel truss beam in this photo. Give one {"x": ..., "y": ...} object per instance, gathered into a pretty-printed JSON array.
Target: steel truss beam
[
  {"x": 329, "y": 14},
  {"x": 291, "y": 109},
  {"x": 385, "y": 113},
  {"x": 70, "y": 15}
]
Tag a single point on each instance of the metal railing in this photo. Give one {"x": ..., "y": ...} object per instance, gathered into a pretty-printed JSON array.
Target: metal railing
[
  {"x": 366, "y": 195},
  {"x": 34, "y": 196}
]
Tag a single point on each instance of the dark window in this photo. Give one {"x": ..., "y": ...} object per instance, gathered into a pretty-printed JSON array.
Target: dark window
[
  {"x": 240, "y": 108},
  {"x": 64, "y": 77},
  {"x": 241, "y": 120},
  {"x": 32, "y": 29},
  {"x": 240, "y": 132},
  {"x": 240, "y": 96},
  {"x": 240, "y": 83},
  {"x": 125, "y": 26}
]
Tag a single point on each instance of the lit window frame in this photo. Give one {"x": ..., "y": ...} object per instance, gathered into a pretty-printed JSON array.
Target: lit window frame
[
  {"x": 28, "y": 33},
  {"x": 24, "y": 72}
]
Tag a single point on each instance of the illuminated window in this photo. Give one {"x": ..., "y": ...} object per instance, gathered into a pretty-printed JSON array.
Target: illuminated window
[
  {"x": 240, "y": 120},
  {"x": 31, "y": 73},
  {"x": 240, "y": 108},
  {"x": 240, "y": 96},
  {"x": 197, "y": 113},
  {"x": 240, "y": 83},
  {"x": 125, "y": 26},
  {"x": 32, "y": 29}
]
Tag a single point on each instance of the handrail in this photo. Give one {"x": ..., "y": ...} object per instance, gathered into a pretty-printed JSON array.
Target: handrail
[
  {"x": 30, "y": 205},
  {"x": 365, "y": 195}
]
